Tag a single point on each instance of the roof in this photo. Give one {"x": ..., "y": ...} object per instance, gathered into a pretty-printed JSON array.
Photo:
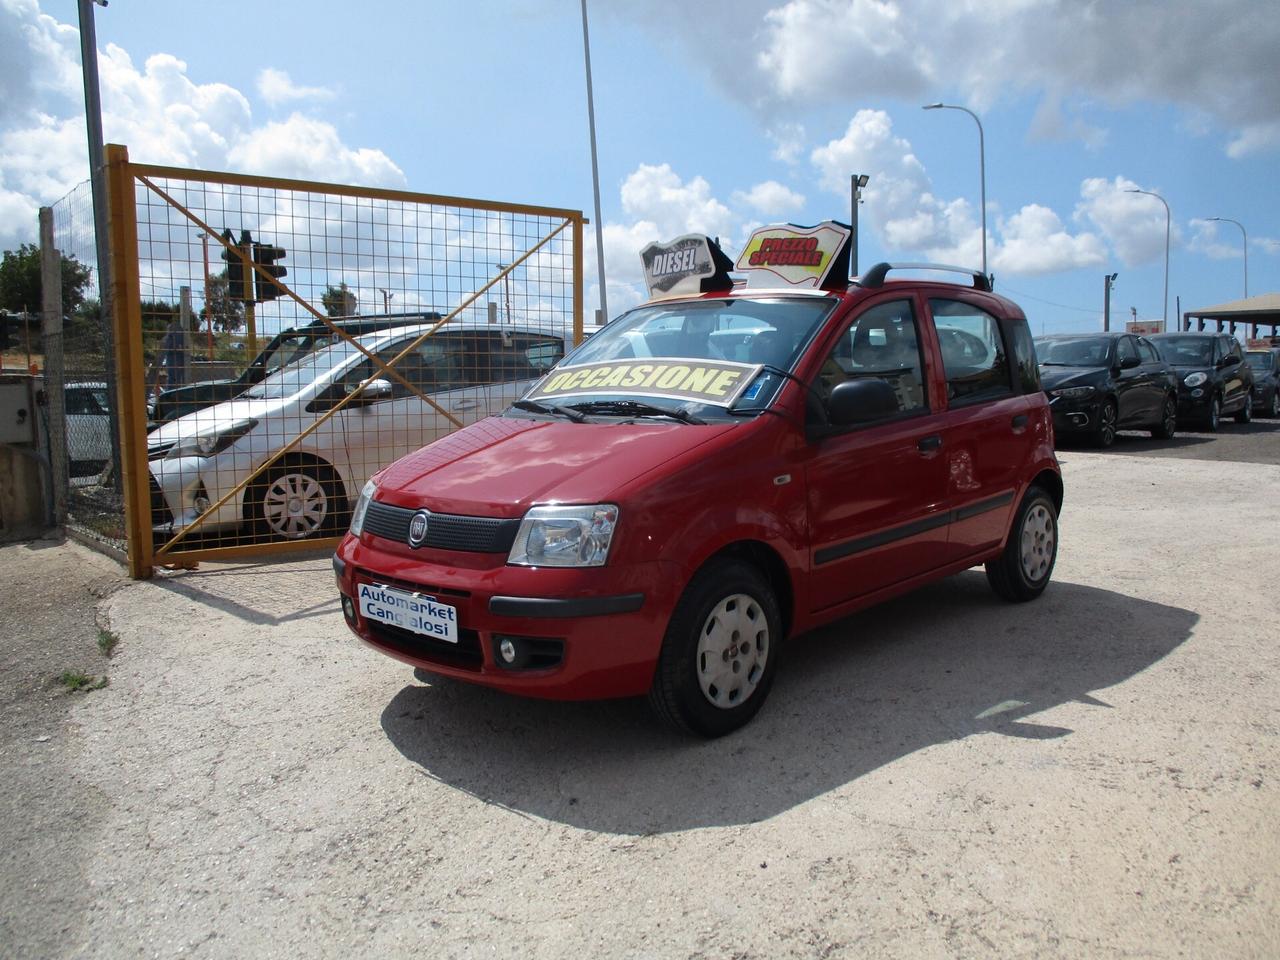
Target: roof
[{"x": 1267, "y": 304}]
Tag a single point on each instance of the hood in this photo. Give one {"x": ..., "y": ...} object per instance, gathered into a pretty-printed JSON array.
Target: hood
[
  {"x": 212, "y": 418},
  {"x": 1057, "y": 378},
  {"x": 501, "y": 466}
]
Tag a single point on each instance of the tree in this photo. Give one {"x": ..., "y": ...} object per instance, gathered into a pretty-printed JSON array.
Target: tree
[
  {"x": 227, "y": 314},
  {"x": 339, "y": 301},
  {"x": 20, "y": 281}
]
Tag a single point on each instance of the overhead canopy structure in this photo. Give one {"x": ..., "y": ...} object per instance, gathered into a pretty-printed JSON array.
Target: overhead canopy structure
[{"x": 1261, "y": 311}]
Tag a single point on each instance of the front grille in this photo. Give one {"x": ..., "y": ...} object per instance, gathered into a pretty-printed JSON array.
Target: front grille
[
  {"x": 465, "y": 654},
  {"x": 160, "y": 513},
  {"x": 445, "y": 531},
  {"x": 368, "y": 576}
]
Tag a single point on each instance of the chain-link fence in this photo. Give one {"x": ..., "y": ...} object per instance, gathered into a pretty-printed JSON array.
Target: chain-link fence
[{"x": 279, "y": 342}]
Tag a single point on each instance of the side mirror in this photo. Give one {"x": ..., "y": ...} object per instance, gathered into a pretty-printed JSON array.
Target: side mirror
[
  {"x": 1226, "y": 362},
  {"x": 1128, "y": 363},
  {"x": 371, "y": 391},
  {"x": 861, "y": 401}
]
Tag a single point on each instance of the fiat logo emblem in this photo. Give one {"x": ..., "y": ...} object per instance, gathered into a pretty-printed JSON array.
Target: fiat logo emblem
[{"x": 418, "y": 528}]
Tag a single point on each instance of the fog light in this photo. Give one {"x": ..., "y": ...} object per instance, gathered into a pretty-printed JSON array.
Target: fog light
[
  {"x": 1197, "y": 393},
  {"x": 508, "y": 650},
  {"x": 348, "y": 608}
]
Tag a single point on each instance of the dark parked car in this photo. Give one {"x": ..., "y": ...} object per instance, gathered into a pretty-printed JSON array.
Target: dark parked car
[
  {"x": 1213, "y": 379},
  {"x": 1265, "y": 365},
  {"x": 285, "y": 348},
  {"x": 1099, "y": 383}
]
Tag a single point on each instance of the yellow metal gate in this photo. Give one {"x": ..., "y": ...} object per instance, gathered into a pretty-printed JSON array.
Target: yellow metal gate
[{"x": 279, "y": 341}]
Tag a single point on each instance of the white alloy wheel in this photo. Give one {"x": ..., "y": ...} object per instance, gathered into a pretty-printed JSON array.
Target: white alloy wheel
[
  {"x": 733, "y": 650},
  {"x": 1039, "y": 534},
  {"x": 295, "y": 506}
]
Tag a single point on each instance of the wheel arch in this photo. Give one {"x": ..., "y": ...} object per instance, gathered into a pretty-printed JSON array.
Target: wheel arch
[
  {"x": 1051, "y": 482},
  {"x": 301, "y": 458},
  {"x": 770, "y": 563}
]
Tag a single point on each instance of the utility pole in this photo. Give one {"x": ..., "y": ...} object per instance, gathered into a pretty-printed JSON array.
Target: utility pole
[{"x": 1108, "y": 280}]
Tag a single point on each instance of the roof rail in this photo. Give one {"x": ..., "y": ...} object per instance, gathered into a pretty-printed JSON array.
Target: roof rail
[{"x": 875, "y": 276}]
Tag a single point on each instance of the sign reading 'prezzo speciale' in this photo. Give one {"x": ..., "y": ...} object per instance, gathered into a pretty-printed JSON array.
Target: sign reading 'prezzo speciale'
[{"x": 718, "y": 382}]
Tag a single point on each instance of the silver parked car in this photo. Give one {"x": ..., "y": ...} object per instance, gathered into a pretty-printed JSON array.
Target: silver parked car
[{"x": 469, "y": 372}]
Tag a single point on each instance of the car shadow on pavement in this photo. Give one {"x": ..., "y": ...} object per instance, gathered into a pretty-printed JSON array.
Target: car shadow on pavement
[
  {"x": 248, "y": 591},
  {"x": 941, "y": 664}
]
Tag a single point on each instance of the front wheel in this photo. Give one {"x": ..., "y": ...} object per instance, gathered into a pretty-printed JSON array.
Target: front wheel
[
  {"x": 1245, "y": 413},
  {"x": 1023, "y": 569},
  {"x": 1168, "y": 424},
  {"x": 1215, "y": 414},
  {"x": 295, "y": 503},
  {"x": 720, "y": 651},
  {"x": 1105, "y": 434},
  {"x": 1273, "y": 411}
]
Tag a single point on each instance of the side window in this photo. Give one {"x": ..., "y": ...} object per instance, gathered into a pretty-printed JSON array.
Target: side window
[
  {"x": 1147, "y": 352},
  {"x": 973, "y": 355},
  {"x": 882, "y": 343},
  {"x": 1126, "y": 349},
  {"x": 523, "y": 356},
  {"x": 1026, "y": 367}
]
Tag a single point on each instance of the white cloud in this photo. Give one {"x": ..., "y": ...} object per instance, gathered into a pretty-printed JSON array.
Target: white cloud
[
  {"x": 1132, "y": 223},
  {"x": 308, "y": 149},
  {"x": 1206, "y": 238},
  {"x": 770, "y": 199},
  {"x": 276, "y": 88},
  {"x": 1034, "y": 241}
]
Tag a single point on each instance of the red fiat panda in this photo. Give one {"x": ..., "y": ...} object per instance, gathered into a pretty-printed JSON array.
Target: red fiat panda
[{"x": 717, "y": 470}]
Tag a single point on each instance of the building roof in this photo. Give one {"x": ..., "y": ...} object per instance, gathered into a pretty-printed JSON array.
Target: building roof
[{"x": 1265, "y": 305}]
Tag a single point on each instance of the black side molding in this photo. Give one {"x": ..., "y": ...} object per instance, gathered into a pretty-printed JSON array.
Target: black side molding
[{"x": 549, "y": 607}]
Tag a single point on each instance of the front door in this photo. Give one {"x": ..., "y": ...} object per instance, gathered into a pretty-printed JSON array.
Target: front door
[{"x": 876, "y": 492}]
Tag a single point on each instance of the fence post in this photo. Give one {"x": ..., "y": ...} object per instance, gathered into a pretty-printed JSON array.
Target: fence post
[
  {"x": 131, "y": 391},
  {"x": 54, "y": 365}
]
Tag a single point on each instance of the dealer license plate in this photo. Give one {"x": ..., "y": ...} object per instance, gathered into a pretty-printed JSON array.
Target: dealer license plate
[{"x": 409, "y": 611}]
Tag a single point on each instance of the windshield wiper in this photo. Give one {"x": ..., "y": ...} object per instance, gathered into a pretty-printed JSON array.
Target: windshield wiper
[
  {"x": 635, "y": 408},
  {"x": 1055, "y": 363},
  {"x": 539, "y": 406}
]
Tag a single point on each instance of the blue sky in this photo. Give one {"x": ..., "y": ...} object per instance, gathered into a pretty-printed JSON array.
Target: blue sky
[{"x": 715, "y": 117}]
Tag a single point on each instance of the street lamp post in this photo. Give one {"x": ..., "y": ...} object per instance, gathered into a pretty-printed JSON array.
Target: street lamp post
[
  {"x": 1168, "y": 220},
  {"x": 386, "y": 300},
  {"x": 1245, "y": 235},
  {"x": 208, "y": 310},
  {"x": 982, "y": 169},
  {"x": 595, "y": 167}
]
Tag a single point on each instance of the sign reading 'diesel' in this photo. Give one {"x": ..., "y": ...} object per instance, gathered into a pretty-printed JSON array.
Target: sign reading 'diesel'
[
  {"x": 690, "y": 264},
  {"x": 785, "y": 255}
]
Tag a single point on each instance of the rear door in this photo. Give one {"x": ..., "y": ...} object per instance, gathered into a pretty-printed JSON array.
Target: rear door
[
  {"x": 875, "y": 491},
  {"x": 1136, "y": 387},
  {"x": 985, "y": 429}
]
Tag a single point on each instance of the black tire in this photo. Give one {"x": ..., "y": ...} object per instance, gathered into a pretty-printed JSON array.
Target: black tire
[
  {"x": 1104, "y": 434},
  {"x": 1215, "y": 414},
  {"x": 1168, "y": 424},
  {"x": 1273, "y": 411},
  {"x": 1245, "y": 413},
  {"x": 296, "y": 502},
  {"x": 1021, "y": 572},
  {"x": 727, "y": 599}
]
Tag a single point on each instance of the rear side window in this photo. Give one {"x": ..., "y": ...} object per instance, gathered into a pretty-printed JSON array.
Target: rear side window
[
  {"x": 1026, "y": 367},
  {"x": 973, "y": 354}
]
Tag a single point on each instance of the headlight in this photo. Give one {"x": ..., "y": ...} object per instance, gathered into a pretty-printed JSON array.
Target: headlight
[
  {"x": 362, "y": 507},
  {"x": 565, "y": 536},
  {"x": 1074, "y": 393},
  {"x": 1195, "y": 379},
  {"x": 211, "y": 442}
]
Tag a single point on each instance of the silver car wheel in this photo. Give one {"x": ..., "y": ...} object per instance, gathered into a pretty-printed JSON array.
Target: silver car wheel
[
  {"x": 295, "y": 506},
  {"x": 1038, "y": 539},
  {"x": 733, "y": 649}
]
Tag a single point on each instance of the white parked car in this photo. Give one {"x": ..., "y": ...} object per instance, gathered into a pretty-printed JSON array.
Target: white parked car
[
  {"x": 471, "y": 371},
  {"x": 88, "y": 407}
]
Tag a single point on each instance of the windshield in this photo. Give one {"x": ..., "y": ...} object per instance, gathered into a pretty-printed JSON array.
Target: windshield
[
  {"x": 290, "y": 348},
  {"x": 287, "y": 381},
  {"x": 1082, "y": 352},
  {"x": 1185, "y": 351},
  {"x": 735, "y": 333},
  {"x": 1259, "y": 360}
]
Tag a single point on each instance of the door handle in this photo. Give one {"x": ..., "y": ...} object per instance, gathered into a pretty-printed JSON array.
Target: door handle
[
  {"x": 1020, "y": 421},
  {"x": 925, "y": 444}
]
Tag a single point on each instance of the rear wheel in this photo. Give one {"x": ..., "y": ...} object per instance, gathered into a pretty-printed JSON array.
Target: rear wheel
[
  {"x": 296, "y": 502},
  {"x": 1104, "y": 435},
  {"x": 1245, "y": 413},
  {"x": 1023, "y": 569},
  {"x": 720, "y": 651},
  {"x": 1164, "y": 430}
]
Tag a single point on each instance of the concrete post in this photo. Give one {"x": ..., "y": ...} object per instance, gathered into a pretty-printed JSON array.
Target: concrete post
[{"x": 54, "y": 365}]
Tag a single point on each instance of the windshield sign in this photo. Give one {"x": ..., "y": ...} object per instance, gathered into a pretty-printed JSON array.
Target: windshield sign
[{"x": 719, "y": 383}]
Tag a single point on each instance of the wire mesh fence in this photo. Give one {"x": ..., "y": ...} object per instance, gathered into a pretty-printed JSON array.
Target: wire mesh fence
[{"x": 292, "y": 339}]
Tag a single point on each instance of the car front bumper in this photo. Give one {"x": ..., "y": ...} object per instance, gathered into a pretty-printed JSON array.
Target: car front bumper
[
  {"x": 184, "y": 487},
  {"x": 1074, "y": 416},
  {"x": 597, "y": 631}
]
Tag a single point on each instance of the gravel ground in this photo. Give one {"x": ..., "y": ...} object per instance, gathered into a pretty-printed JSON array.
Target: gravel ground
[{"x": 1096, "y": 774}]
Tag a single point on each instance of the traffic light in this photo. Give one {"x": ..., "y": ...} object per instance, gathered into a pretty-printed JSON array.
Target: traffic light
[
  {"x": 265, "y": 256},
  {"x": 237, "y": 289}
]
